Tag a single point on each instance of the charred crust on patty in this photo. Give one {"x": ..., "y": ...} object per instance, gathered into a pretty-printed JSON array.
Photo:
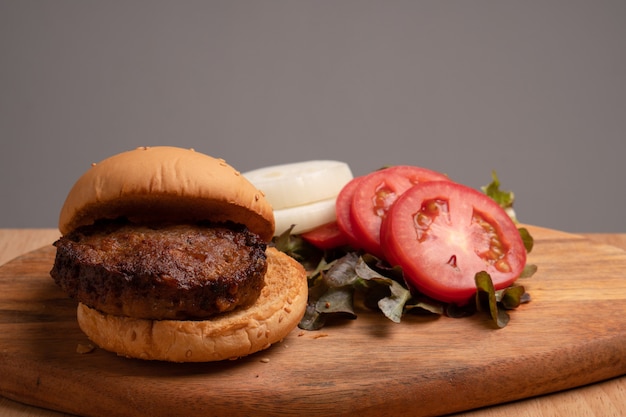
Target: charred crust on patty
[{"x": 161, "y": 271}]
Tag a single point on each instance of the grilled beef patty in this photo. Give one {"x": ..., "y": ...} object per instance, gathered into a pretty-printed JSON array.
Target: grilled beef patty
[{"x": 161, "y": 271}]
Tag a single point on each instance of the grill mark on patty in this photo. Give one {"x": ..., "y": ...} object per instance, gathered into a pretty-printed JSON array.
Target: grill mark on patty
[{"x": 161, "y": 271}]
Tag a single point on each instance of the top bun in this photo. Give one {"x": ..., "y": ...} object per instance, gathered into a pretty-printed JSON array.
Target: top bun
[{"x": 166, "y": 183}]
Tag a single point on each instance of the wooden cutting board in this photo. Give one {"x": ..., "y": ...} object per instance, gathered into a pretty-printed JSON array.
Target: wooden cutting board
[{"x": 572, "y": 333}]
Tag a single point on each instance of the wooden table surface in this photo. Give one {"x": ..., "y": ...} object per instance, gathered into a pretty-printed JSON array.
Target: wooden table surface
[{"x": 607, "y": 398}]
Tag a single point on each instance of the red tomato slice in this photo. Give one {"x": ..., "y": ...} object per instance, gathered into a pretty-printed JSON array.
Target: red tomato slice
[
  {"x": 327, "y": 236},
  {"x": 443, "y": 233},
  {"x": 342, "y": 208},
  {"x": 376, "y": 193}
]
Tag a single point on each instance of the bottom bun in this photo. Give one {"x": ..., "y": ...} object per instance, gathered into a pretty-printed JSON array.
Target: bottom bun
[{"x": 273, "y": 316}]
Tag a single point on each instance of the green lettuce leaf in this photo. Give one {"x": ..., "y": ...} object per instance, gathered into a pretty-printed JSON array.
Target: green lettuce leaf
[
  {"x": 528, "y": 240},
  {"x": 392, "y": 305},
  {"x": 486, "y": 300},
  {"x": 504, "y": 198}
]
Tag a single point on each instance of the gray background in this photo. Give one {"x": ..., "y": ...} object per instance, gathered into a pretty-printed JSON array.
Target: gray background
[{"x": 535, "y": 90}]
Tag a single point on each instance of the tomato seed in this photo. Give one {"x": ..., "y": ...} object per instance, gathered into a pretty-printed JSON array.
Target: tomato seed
[
  {"x": 503, "y": 266},
  {"x": 382, "y": 200},
  {"x": 497, "y": 250},
  {"x": 432, "y": 207},
  {"x": 422, "y": 220}
]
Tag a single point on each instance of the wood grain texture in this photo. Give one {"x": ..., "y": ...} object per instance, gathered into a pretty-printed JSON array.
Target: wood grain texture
[{"x": 571, "y": 334}]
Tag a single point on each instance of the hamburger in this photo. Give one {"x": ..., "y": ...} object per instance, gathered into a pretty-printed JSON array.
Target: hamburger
[{"x": 167, "y": 252}]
